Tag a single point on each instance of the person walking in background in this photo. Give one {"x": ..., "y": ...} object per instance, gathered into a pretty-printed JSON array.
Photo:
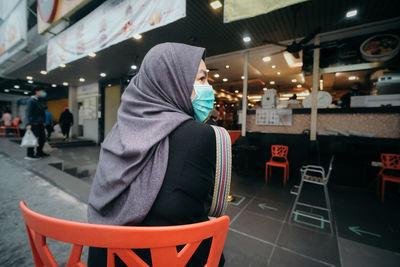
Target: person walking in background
[
  {"x": 66, "y": 121},
  {"x": 49, "y": 123},
  {"x": 213, "y": 117},
  {"x": 6, "y": 118},
  {"x": 35, "y": 121}
]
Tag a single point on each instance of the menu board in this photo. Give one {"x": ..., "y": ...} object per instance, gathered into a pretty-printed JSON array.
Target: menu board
[{"x": 278, "y": 117}]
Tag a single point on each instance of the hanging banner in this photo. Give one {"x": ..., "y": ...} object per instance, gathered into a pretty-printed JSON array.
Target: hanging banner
[
  {"x": 112, "y": 22},
  {"x": 13, "y": 31},
  {"x": 50, "y": 12},
  {"x": 242, "y": 9}
]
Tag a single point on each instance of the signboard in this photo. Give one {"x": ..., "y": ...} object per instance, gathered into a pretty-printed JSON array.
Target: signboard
[
  {"x": 13, "y": 31},
  {"x": 278, "y": 117},
  {"x": 242, "y": 9},
  {"x": 50, "y": 12},
  {"x": 112, "y": 22}
]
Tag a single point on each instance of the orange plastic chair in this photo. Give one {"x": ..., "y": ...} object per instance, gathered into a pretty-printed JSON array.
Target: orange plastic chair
[
  {"x": 14, "y": 127},
  {"x": 278, "y": 151},
  {"x": 390, "y": 165},
  {"x": 120, "y": 240}
]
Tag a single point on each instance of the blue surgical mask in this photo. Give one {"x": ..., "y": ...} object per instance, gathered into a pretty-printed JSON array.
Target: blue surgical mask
[
  {"x": 43, "y": 94},
  {"x": 203, "y": 102}
]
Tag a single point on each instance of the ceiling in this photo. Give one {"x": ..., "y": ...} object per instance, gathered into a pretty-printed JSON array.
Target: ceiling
[{"x": 204, "y": 27}]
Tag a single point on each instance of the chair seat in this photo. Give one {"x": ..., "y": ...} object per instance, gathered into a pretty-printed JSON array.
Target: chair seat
[
  {"x": 277, "y": 163},
  {"x": 313, "y": 178},
  {"x": 393, "y": 178}
]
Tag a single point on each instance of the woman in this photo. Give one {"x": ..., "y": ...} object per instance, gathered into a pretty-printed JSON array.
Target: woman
[{"x": 157, "y": 164}]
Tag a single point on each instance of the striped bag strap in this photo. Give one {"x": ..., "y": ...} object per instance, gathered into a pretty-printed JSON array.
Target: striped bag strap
[{"x": 222, "y": 172}]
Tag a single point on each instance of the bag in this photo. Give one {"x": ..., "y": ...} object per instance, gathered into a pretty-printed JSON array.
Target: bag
[
  {"x": 222, "y": 172},
  {"x": 29, "y": 140},
  {"x": 47, "y": 148}
]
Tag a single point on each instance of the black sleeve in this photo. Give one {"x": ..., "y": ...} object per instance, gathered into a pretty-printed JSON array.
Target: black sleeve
[{"x": 28, "y": 112}]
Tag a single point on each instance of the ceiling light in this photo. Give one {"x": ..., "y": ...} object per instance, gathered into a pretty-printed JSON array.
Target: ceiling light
[
  {"x": 65, "y": 83},
  {"x": 26, "y": 92},
  {"x": 81, "y": 79},
  {"x": 103, "y": 74},
  {"x": 30, "y": 81},
  {"x": 63, "y": 65},
  {"x": 242, "y": 77},
  {"x": 286, "y": 95},
  {"x": 109, "y": 85},
  {"x": 265, "y": 88},
  {"x": 225, "y": 79},
  {"x": 236, "y": 91},
  {"x": 266, "y": 59},
  {"x": 91, "y": 54},
  {"x": 227, "y": 66},
  {"x": 137, "y": 36},
  {"x": 352, "y": 78},
  {"x": 273, "y": 66},
  {"x": 43, "y": 72},
  {"x": 351, "y": 13},
  {"x": 299, "y": 86},
  {"x": 54, "y": 85},
  {"x": 29, "y": 77},
  {"x": 292, "y": 61},
  {"x": 134, "y": 67},
  {"x": 278, "y": 73},
  {"x": 6, "y": 90},
  {"x": 271, "y": 82},
  {"x": 215, "y": 4},
  {"x": 216, "y": 75},
  {"x": 208, "y": 70},
  {"x": 294, "y": 80},
  {"x": 16, "y": 86},
  {"x": 246, "y": 39}
]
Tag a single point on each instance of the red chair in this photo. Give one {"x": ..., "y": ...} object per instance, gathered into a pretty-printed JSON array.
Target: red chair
[
  {"x": 120, "y": 240},
  {"x": 390, "y": 171},
  {"x": 278, "y": 152},
  {"x": 234, "y": 134},
  {"x": 14, "y": 127}
]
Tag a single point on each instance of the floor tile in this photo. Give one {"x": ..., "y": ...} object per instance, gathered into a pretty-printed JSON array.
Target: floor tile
[
  {"x": 232, "y": 211},
  {"x": 284, "y": 258},
  {"x": 257, "y": 225},
  {"x": 316, "y": 245},
  {"x": 276, "y": 210},
  {"x": 241, "y": 251},
  {"x": 357, "y": 254}
]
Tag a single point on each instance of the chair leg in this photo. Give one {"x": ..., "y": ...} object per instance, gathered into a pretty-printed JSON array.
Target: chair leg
[
  {"x": 383, "y": 190},
  {"x": 284, "y": 176},
  {"x": 296, "y": 200},
  {"x": 266, "y": 172},
  {"x": 328, "y": 205}
]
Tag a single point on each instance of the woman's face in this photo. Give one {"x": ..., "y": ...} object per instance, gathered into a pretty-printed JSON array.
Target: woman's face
[{"x": 201, "y": 77}]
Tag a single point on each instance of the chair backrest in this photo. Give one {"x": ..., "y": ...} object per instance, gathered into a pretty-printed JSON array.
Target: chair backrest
[
  {"x": 390, "y": 161},
  {"x": 120, "y": 240},
  {"x": 16, "y": 122},
  {"x": 330, "y": 169},
  {"x": 279, "y": 151}
]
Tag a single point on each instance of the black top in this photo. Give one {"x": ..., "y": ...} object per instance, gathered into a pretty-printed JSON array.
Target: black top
[
  {"x": 186, "y": 193},
  {"x": 66, "y": 118},
  {"x": 34, "y": 112}
]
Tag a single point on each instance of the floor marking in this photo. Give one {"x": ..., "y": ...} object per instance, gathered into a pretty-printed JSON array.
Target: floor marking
[
  {"x": 239, "y": 202},
  {"x": 241, "y": 211},
  {"x": 312, "y": 216},
  {"x": 265, "y": 206},
  {"x": 358, "y": 231}
]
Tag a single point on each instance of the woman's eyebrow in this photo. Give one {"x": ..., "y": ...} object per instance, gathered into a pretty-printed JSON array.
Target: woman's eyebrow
[{"x": 202, "y": 71}]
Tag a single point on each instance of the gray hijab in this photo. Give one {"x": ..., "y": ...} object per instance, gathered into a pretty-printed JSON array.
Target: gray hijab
[{"x": 134, "y": 156}]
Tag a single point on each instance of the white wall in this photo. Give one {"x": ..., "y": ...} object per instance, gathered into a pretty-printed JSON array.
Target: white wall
[{"x": 89, "y": 96}]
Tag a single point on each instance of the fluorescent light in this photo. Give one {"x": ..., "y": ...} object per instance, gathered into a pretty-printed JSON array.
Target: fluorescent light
[
  {"x": 242, "y": 77},
  {"x": 81, "y": 79},
  {"x": 137, "y": 36},
  {"x": 6, "y": 90},
  {"x": 63, "y": 65},
  {"x": 278, "y": 73},
  {"x": 351, "y": 13},
  {"x": 54, "y": 85},
  {"x": 216, "y": 75},
  {"x": 236, "y": 91},
  {"x": 65, "y": 83},
  {"x": 240, "y": 95},
  {"x": 29, "y": 77},
  {"x": 227, "y": 66},
  {"x": 286, "y": 95},
  {"x": 225, "y": 79},
  {"x": 103, "y": 74},
  {"x": 26, "y": 92},
  {"x": 265, "y": 88},
  {"x": 91, "y": 54},
  {"x": 299, "y": 86},
  {"x": 284, "y": 98},
  {"x": 109, "y": 85},
  {"x": 294, "y": 80},
  {"x": 352, "y": 78},
  {"x": 255, "y": 97},
  {"x": 215, "y": 4},
  {"x": 16, "y": 86},
  {"x": 292, "y": 61},
  {"x": 246, "y": 39},
  {"x": 273, "y": 66},
  {"x": 30, "y": 81},
  {"x": 134, "y": 67},
  {"x": 271, "y": 82},
  {"x": 43, "y": 72},
  {"x": 266, "y": 59}
]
